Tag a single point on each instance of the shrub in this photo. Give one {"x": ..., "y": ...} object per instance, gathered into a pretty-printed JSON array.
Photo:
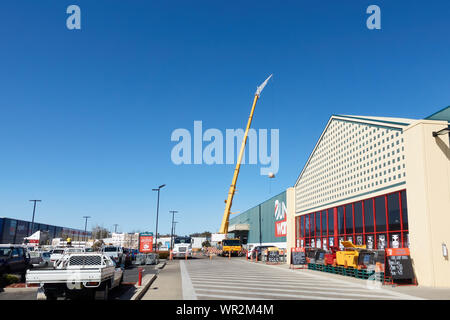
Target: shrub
[
  {"x": 163, "y": 254},
  {"x": 7, "y": 279}
]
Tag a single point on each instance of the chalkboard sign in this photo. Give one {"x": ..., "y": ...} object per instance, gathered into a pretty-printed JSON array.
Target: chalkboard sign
[
  {"x": 298, "y": 256},
  {"x": 273, "y": 256},
  {"x": 399, "y": 265}
]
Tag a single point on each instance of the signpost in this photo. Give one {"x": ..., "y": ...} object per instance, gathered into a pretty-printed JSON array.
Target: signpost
[
  {"x": 273, "y": 257},
  {"x": 398, "y": 266},
  {"x": 298, "y": 258},
  {"x": 146, "y": 242}
]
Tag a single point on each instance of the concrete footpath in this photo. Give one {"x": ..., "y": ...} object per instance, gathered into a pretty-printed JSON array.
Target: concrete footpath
[{"x": 167, "y": 285}]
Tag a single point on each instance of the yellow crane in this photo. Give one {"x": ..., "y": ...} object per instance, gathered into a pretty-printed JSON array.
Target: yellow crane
[{"x": 229, "y": 201}]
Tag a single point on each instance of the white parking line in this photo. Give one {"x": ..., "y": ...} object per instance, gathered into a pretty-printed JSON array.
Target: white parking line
[
  {"x": 309, "y": 291},
  {"x": 284, "y": 285},
  {"x": 323, "y": 277},
  {"x": 272, "y": 295}
]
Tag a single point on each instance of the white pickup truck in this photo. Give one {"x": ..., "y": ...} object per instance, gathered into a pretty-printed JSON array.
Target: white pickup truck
[{"x": 76, "y": 274}]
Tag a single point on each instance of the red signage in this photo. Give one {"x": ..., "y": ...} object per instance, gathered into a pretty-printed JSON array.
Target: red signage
[
  {"x": 145, "y": 243},
  {"x": 397, "y": 252},
  {"x": 280, "y": 219}
]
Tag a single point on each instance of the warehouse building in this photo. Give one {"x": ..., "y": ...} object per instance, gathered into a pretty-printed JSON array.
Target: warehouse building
[
  {"x": 264, "y": 224},
  {"x": 13, "y": 231},
  {"x": 383, "y": 182}
]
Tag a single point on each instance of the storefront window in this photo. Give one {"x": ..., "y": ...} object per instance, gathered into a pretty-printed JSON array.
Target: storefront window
[
  {"x": 370, "y": 241},
  {"x": 307, "y": 226},
  {"x": 317, "y": 224},
  {"x": 324, "y": 223},
  {"x": 368, "y": 215},
  {"x": 311, "y": 220},
  {"x": 340, "y": 211},
  {"x": 330, "y": 222},
  {"x": 393, "y": 212},
  {"x": 381, "y": 241},
  {"x": 395, "y": 240},
  {"x": 302, "y": 225},
  {"x": 359, "y": 240},
  {"x": 404, "y": 210},
  {"x": 380, "y": 213},
  {"x": 358, "y": 217},
  {"x": 405, "y": 240},
  {"x": 349, "y": 219}
]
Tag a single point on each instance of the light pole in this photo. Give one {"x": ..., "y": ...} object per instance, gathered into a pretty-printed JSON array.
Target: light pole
[
  {"x": 157, "y": 213},
  {"x": 174, "y": 225},
  {"x": 171, "y": 235},
  {"x": 34, "y": 210},
  {"x": 85, "y": 227}
]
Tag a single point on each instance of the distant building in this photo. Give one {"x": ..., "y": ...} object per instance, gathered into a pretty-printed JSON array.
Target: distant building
[
  {"x": 14, "y": 231},
  {"x": 127, "y": 240}
]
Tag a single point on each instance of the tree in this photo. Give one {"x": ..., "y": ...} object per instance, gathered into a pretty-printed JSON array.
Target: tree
[
  {"x": 99, "y": 232},
  {"x": 206, "y": 244},
  {"x": 205, "y": 234}
]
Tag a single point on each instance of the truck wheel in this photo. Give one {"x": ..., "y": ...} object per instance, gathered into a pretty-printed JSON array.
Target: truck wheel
[
  {"x": 50, "y": 296},
  {"x": 102, "y": 294}
]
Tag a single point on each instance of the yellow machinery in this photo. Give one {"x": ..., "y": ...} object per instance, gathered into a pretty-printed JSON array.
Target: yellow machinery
[
  {"x": 231, "y": 247},
  {"x": 229, "y": 201},
  {"x": 349, "y": 256}
]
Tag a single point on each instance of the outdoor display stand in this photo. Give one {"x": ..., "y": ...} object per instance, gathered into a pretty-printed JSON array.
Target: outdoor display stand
[
  {"x": 398, "y": 267},
  {"x": 272, "y": 257},
  {"x": 298, "y": 259}
]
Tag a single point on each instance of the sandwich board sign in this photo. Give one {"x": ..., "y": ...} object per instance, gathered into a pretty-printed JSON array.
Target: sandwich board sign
[{"x": 146, "y": 242}]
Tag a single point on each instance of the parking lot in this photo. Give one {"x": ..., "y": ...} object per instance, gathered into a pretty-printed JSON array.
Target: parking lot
[{"x": 124, "y": 292}]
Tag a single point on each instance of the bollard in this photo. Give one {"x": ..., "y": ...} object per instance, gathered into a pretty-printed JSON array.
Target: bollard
[
  {"x": 171, "y": 255},
  {"x": 140, "y": 277},
  {"x": 185, "y": 256},
  {"x": 229, "y": 255}
]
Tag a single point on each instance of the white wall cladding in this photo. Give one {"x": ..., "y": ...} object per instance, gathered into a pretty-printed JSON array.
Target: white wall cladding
[{"x": 350, "y": 160}]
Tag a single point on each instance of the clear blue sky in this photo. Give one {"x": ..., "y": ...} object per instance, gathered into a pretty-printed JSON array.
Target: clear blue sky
[{"x": 86, "y": 116}]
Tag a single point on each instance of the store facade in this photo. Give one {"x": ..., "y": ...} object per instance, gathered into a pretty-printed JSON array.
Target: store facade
[
  {"x": 264, "y": 224},
  {"x": 379, "y": 182}
]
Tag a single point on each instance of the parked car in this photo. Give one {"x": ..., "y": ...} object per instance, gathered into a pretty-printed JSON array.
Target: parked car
[
  {"x": 115, "y": 253},
  {"x": 39, "y": 258},
  {"x": 13, "y": 259},
  {"x": 56, "y": 254}
]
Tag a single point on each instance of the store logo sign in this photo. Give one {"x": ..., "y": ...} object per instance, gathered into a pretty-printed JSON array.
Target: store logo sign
[{"x": 280, "y": 211}]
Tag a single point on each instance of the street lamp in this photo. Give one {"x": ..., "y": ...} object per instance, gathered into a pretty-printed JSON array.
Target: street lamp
[
  {"x": 34, "y": 210},
  {"x": 174, "y": 225},
  {"x": 157, "y": 213},
  {"x": 85, "y": 227},
  {"x": 171, "y": 235}
]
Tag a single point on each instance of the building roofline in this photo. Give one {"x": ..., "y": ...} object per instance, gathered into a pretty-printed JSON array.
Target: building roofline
[{"x": 356, "y": 119}]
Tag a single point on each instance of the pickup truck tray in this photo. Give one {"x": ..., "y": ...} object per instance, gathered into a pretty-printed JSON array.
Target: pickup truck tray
[{"x": 69, "y": 275}]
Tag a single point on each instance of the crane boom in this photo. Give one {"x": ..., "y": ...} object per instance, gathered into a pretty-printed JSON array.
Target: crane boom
[{"x": 229, "y": 201}]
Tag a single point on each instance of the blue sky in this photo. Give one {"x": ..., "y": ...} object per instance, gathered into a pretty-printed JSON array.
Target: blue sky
[{"x": 87, "y": 115}]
